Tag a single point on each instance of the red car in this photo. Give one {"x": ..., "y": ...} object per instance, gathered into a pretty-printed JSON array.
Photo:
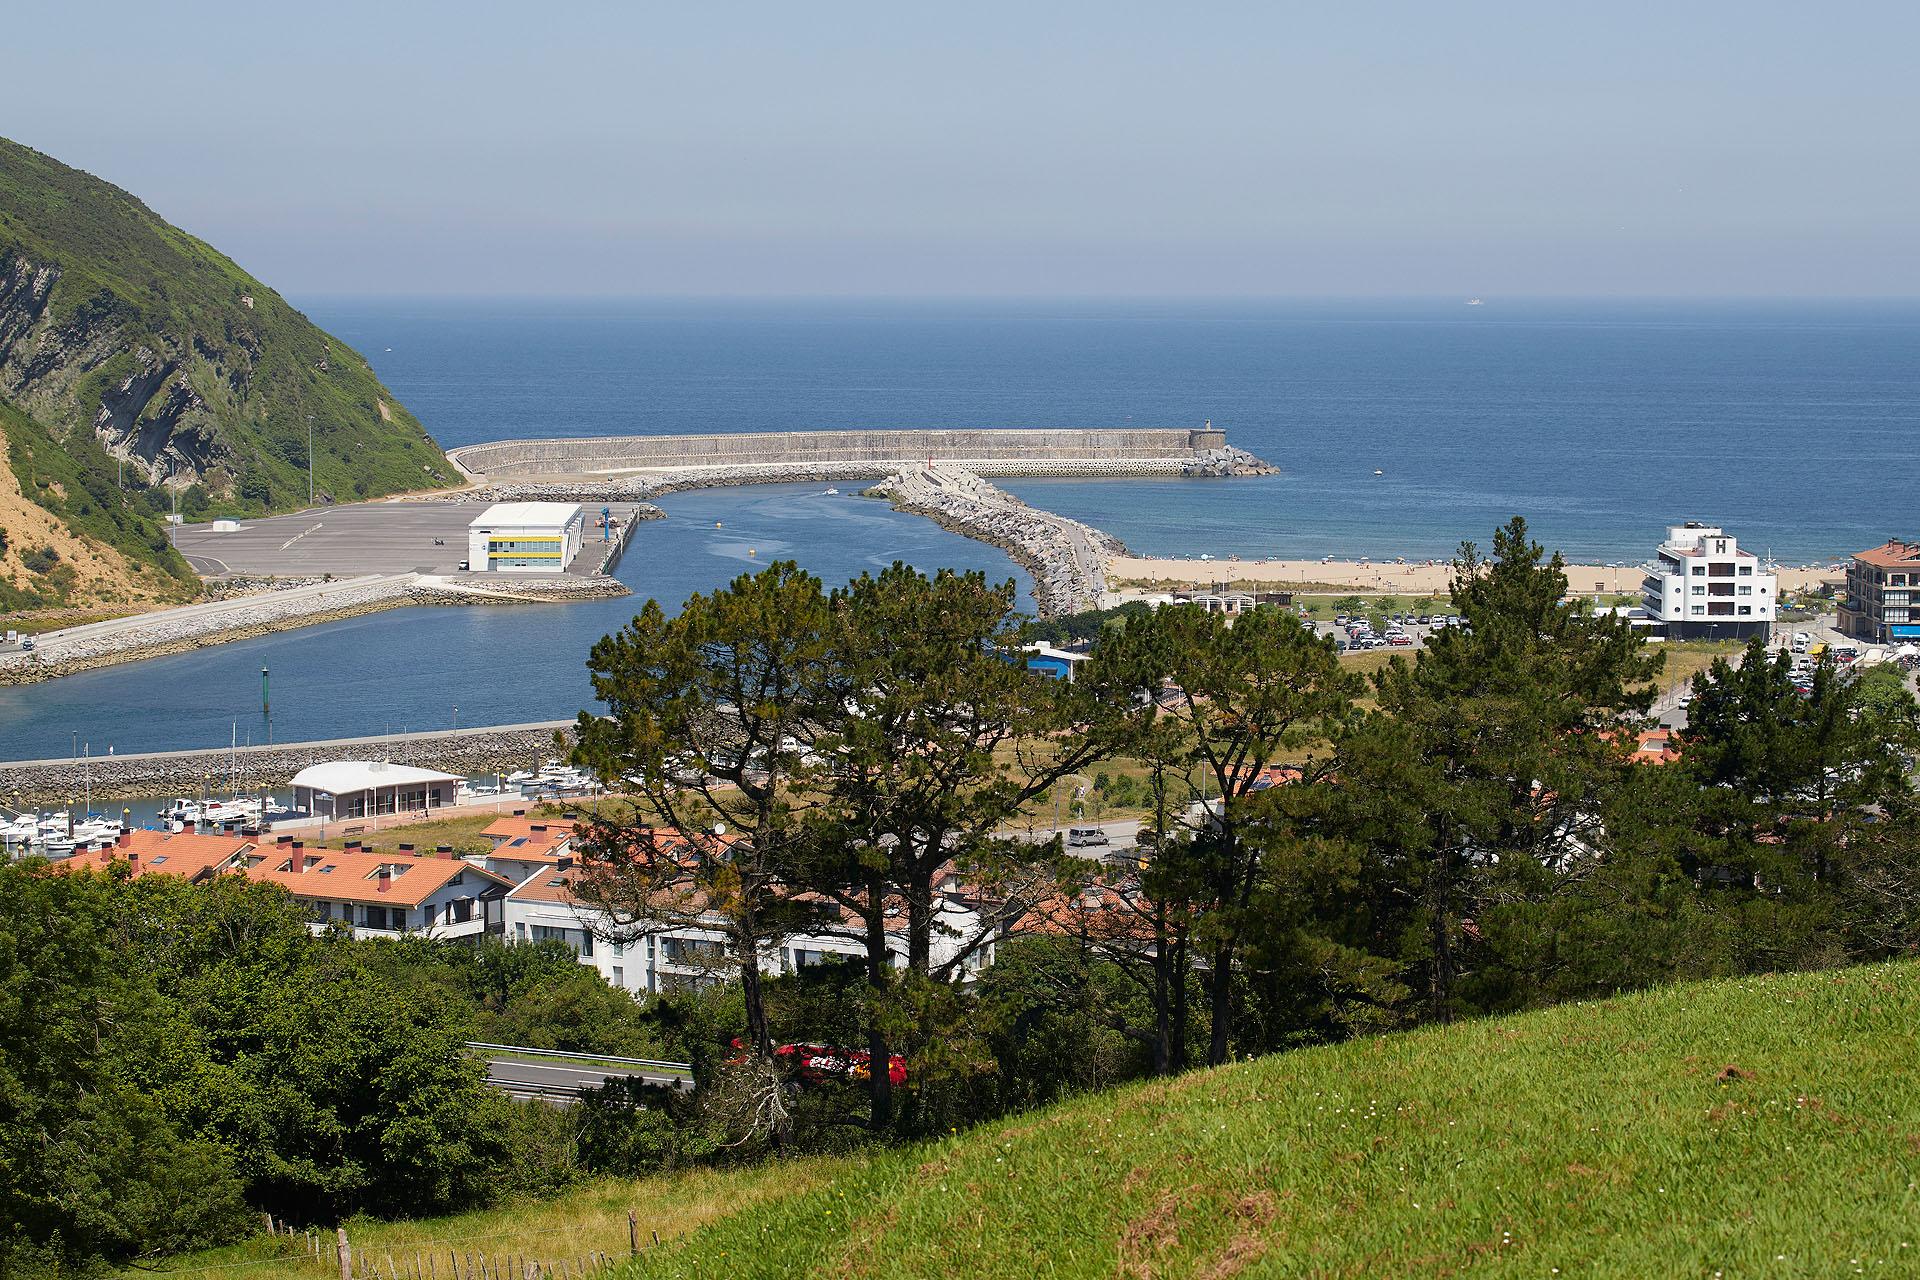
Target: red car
[{"x": 820, "y": 1063}]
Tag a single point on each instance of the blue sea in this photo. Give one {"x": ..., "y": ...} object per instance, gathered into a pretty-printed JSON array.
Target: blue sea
[{"x": 1791, "y": 423}]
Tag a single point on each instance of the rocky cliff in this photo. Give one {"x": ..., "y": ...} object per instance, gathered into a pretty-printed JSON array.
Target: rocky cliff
[{"x": 141, "y": 350}]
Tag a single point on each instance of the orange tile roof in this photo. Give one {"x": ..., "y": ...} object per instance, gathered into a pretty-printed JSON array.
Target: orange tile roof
[
  {"x": 340, "y": 876},
  {"x": 535, "y": 831},
  {"x": 1895, "y": 553},
  {"x": 175, "y": 853},
  {"x": 330, "y": 873},
  {"x": 1656, "y": 746}
]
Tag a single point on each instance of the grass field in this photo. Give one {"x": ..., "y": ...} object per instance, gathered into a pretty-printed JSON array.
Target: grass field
[
  {"x": 1755, "y": 1128},
  {"x": 591, "y": 1219},
  {"x": 1764, "y": 1127}
]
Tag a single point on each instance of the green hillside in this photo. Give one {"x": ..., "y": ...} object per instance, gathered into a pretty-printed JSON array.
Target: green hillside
[
  {"x": 1753, "y": 1128},
  {"x": 1762, "y": 1127},
  {"x": 123, "y": 331}
]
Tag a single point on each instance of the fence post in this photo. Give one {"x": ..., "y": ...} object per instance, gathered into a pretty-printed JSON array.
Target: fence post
[
  {"x": 633, "y": 1232},
  {"x": 345, "y": 1254}
]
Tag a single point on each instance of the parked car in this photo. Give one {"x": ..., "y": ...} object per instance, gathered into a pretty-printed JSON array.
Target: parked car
[
  {"x": 1080, "y": 837},
  {"x": 1400, "y": 640}
]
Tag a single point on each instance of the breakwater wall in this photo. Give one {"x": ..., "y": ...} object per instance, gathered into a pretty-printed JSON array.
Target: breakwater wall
[
  {"x": 169, "y": 631},
  {"x": 479, "y": 751},
  {"x": 863, "y": 454},
  {"x": 1066, "y": 558}
]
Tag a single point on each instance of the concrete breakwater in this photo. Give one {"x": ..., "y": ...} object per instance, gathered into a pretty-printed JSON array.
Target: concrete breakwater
[
  {"x": 475, "y": 752},
  {"x": 1066, "y": 558},
  {"x": 761, "y": 457},
  {"x": 153, "y": 635}
]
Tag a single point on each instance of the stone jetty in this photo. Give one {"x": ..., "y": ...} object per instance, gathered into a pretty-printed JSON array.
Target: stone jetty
[
  {"x": 302, "y": 604},
  {"x": 221, "y": 771},
  {"x": 1066, "y": 558}
]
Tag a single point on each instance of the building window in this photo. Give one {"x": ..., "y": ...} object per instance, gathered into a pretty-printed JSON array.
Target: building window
[
  {"x": 619, "y": 976},
  {"x": 1746, "y": 589},
  {"x": 1746, "y": 610},
  {"x": 1746, "y": 571},
  {"x": 1699, "y": 589},
  {"x": 1699, "y": 571},
  {"x": 1699, "y": 609}
]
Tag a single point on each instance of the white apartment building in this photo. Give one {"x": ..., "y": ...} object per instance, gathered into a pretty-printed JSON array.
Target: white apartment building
[
  {"x": 542, "y": 908},
  {"x": 1702, "y": 586}
]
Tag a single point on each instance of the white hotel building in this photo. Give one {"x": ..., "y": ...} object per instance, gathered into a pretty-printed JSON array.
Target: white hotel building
[{"x": 1702, "y": 586}]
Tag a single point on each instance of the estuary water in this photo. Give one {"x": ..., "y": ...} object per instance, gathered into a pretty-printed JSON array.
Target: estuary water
[{"x": 1792, "y": 424}]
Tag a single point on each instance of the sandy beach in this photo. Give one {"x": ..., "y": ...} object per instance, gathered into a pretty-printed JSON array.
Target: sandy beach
[{"x": 1133, "y": 573}]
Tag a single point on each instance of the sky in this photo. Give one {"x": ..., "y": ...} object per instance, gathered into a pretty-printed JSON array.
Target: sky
[{"x": 1063, "y": 148}]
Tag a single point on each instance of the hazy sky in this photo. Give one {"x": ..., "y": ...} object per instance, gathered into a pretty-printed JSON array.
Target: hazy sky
[{"x": 1107, "y": 147}]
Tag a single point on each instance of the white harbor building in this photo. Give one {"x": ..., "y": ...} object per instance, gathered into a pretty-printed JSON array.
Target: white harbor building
[
  {"x": 525, "y": 537},
  {"x": 1702, "y": 586}
]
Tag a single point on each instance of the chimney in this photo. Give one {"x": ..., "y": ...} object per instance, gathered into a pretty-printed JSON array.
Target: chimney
[
  {"x": 353, "y": 846},
  {"x": 283, "y": 839},
  {"x": 384, "y": 881},
  {"x": 443, "y": 852},
  {"x": 124, "y": 839},
  {"x": 299, "y": 845},
  {"x": 445, "y": 848},
  {"x": 538, "y": 826},
  {"x": 133, "y": 861},
  {"x": 519, "y": 813},
  {"x": 565, "y": 863},
  {"x": 406, "y": 848}
]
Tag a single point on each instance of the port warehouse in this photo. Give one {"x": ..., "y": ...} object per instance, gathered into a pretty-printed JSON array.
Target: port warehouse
[
  {"x": 885, "y": 450},
  {"x": 525, "y": 537}
]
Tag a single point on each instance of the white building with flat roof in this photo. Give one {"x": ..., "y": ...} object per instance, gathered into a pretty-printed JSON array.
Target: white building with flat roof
[
  {"x": 1702, "y": 586},
  {"x": 367, "y": 788},
  {"x": 525, "y": 537}
]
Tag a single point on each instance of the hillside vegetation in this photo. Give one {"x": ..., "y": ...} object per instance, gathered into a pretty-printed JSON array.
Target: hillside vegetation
[
  {"x": 126, "y": 340},
  {"x": 1755, "y": 1127},
  {"x": 1759, "y": 1127}
]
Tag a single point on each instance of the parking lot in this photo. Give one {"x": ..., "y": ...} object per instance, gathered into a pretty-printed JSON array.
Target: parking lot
[
  {"x": 379, "y": 537},
  {"x": 387, "y": 537}
]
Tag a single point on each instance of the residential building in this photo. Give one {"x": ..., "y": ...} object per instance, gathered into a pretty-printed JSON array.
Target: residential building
[
  {"x": 664, "y": 957},
  {"x": 368, "y": 788},
  {"x": 523, "y": 845},
  {"x": 525, "y": 537},
  {"x": 1702, "y": 586},
  {"x": 371, "y": 894},
  {"x": 1882, "y": 604}
]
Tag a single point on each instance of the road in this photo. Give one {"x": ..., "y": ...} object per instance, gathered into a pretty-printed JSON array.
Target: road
[{"x": 522, "y": 1075}]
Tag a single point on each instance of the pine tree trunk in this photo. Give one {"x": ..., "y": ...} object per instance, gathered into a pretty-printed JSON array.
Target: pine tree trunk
[{"x": 879, "y": 1053}]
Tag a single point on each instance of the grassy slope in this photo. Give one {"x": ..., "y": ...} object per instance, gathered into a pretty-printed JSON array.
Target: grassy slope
[
  {"x": 1600, "y": 1139},
  {"x": 122, "y": 265},
  {"x": 1603, "y": 1139}
]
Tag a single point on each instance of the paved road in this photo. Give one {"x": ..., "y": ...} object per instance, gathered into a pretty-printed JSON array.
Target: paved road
[{"x": 560, "y": 1081}]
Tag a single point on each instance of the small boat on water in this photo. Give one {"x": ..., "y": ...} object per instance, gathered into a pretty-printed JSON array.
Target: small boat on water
[{"x": 830, "y": 493}]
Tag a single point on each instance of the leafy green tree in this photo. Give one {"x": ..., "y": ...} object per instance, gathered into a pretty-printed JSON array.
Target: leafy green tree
[
  {"x": 1244, "y": 694},
  {"x": 938, "y": 741},
  {"x": 710, "y": 719},
  {"x": 91, "y": 1165},
  {"x": 1485, "y": 769},
  {"x": 1753, "y": 734}
]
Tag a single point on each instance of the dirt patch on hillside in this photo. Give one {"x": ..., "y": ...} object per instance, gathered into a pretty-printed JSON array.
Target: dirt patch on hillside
[{"x": 102, "y": 575}]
